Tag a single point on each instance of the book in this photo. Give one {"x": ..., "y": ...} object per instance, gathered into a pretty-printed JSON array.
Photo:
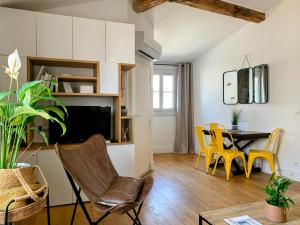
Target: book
[{"x": 242, "y": 220}]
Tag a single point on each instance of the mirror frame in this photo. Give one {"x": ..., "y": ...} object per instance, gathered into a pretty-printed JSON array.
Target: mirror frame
[
  {"x": 237, "y": 97},
  {"x": 267, "y": 85}
]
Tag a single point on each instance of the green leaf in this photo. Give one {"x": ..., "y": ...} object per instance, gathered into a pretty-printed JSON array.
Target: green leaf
[
  {"x": 55, "y": 110},
  {"x": 43, "y": 134},
  {"x": 22, "y": 90},
  {"x": 4, "y": 94},
  {"x": 28, "y": 111},
  {"x": 62, "y": 125}
]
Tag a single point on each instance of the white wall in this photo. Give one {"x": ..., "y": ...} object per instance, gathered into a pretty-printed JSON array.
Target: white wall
[
  {"x": 163, "y": 133},
  {"x": 115, "y": 10},
  {"x": 275, "y": 42}
]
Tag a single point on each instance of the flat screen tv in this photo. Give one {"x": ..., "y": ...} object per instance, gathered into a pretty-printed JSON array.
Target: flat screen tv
[{"x": 82, "y": 122}]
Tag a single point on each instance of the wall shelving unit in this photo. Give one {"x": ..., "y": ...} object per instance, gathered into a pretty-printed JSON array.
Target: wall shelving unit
[{"x": 118, "y": 121}]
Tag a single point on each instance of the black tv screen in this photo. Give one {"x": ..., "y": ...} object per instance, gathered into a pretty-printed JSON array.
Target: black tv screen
[{"x": 82, "y": 122}]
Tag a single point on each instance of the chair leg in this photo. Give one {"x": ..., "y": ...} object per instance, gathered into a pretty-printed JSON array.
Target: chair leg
[
  {"x": 228, "y": 167},
  {"x": 208, "y": 158},
  {"x": 216, "y": 163},
  {"x": 245, "y": 166},
  {"x": 250, "y": 164},
  {"x": 198, "y": 159},
  {"x": 272, "y": 165}
]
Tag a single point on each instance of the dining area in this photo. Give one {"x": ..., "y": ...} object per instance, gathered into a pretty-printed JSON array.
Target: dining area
[{"x": 232, "y": 150}]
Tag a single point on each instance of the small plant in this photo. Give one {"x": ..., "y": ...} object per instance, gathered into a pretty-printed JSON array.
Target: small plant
[
  {"x": 275, "y": 190},
  {"x": 235, "y": 117}
]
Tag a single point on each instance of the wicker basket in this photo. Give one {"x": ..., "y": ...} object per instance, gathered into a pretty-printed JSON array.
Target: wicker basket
[{"x": 21, "y": 186}]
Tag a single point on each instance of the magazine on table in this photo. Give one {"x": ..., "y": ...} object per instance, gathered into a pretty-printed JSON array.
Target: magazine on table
[{"x": 242, "y": 220}]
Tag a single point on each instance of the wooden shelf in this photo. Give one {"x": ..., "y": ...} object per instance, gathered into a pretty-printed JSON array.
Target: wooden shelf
[
  {"x": 126, "y": 117},
  {"x": 127, "y": 67},
  {"x": 63, "y": 94},
  {"x": 74, "y": 78}
]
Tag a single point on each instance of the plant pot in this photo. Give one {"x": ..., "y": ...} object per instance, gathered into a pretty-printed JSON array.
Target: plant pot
[
  {"x": 10, "y": 186},
  {"x": 275, "y": 213},
  {"x": 234, "y": 127}
]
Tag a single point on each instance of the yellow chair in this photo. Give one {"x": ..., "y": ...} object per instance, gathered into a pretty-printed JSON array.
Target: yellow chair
[
  {"x": 228, "y": 155},
  {"x": 207, "y": 150},
  {"x": 267, "y": 153}
]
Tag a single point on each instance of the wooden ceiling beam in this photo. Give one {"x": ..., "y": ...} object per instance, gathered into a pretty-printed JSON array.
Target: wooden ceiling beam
[
  {"x": 225, "y": 8},
  {"x": 143, "y": 5}
]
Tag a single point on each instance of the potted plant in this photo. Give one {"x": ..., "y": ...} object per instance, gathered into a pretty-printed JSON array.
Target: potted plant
[
  {"x": 235, "y": 119},
  {"x": 277, "y": 203},
  {"x": 18, "y": 109}
]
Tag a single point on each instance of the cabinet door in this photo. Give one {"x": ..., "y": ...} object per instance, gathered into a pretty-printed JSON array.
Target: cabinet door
[
  {"x": 120, "y": 43},
  {"x": 88, "y": 39},
  {"x": 54, "y": 36},
  {"x": 5, "y": 80},
  {"x": 18, "y": 31},
  {"x": 59, "y": 187},
  {"x": 109, "y": 78}
]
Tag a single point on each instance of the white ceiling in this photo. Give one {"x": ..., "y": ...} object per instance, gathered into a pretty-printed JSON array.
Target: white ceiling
[{"x": 185, "y": 32}]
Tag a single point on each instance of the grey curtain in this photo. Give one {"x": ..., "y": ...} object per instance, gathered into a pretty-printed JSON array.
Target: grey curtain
[{"x": 184, "y": 138}]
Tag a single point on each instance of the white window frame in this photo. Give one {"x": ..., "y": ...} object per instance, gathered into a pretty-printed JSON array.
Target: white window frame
[{"x": 162, "y": 70}]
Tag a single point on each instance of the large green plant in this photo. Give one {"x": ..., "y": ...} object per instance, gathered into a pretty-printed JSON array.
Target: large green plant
[
  {"x": 19, "y": 107},
  {"x": 275, "y": 192}
]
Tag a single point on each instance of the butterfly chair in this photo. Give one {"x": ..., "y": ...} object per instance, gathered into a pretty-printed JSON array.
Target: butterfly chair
[
  {"x": 90, "y": 167},
  {"x": 228, "y": 155},
  {"x": 267, "y": 153}
]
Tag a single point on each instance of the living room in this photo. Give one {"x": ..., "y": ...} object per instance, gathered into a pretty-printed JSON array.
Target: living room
[{"x": 194, "y": 101}]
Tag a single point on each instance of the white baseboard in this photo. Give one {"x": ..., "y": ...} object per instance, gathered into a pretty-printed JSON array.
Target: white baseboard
[
  {"x": 288, "y": 172},
  {"x": 163, "y": 149}
]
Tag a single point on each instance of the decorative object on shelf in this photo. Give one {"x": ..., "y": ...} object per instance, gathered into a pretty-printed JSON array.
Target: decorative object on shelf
[
  {"x": 125, "y": 134},
  {"x": 124, "y": 110},
  {"x": 18, "y": 109},
  {"x": 86, "y": 89},
  {"x": 235, "y": 119},
  {"x": 67, "y": 87},
  {"x": 277, "y": 203}
]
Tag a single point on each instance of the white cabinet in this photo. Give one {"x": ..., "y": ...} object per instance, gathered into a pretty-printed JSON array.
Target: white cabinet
[
  {"x": 59, "y": 186},
  {"x": 109, "y": 78},
  {"x": 120, "y": 43},
  {"x": 54, "y": 36},
  {"x": 17, "y": 31},
  {"x": 88, "y": 39},
  {"x": 5, "y": 80}
]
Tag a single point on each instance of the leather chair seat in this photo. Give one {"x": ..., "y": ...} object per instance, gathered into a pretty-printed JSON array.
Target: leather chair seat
[{"x": 121, "y": 190}]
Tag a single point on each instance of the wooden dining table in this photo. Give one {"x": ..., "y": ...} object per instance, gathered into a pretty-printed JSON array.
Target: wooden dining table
[{"x": 241, "y": 140}]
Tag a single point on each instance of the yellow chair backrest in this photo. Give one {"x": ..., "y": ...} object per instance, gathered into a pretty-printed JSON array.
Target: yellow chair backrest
[
  {"x": 213, "y": 126},
  {"x": 218, "y": 132},
  {"x": 272, "y": 144},
  {"x": 199, "y": 132}
]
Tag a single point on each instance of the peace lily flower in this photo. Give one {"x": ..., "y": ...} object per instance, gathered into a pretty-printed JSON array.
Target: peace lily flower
[{"x": 14, "y": 65}]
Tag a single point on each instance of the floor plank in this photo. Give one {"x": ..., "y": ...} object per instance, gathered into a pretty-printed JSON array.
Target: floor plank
[{"x": 179, "y": 193}]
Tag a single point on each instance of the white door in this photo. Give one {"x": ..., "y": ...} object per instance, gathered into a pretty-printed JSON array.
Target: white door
[
  {"x": 120, "y": 43},
  {"x": 141, "y": 98},
  {"x": 54, "y": 36},
  {"x": 88, "y": 39},
  {"x": 17, "y": 31}
]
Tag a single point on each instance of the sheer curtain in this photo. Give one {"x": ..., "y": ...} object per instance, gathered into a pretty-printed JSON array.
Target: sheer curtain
[{"x": 184, "y": 138}]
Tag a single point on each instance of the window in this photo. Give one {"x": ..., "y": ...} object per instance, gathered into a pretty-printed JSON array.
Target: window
[{"x": 164, "y": 88}]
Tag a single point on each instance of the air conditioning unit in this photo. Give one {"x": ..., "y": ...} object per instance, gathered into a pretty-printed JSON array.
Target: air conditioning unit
[{"x": 146, "y": 46}]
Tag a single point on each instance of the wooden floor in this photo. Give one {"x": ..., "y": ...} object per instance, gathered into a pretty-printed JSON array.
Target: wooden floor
[{"x": 180, "y": 192}]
